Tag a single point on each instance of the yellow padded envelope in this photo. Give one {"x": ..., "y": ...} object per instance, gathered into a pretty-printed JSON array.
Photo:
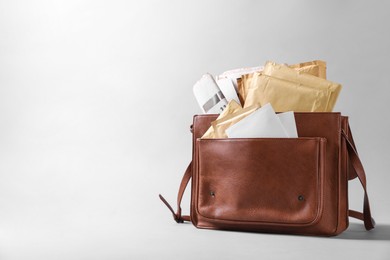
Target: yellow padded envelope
[
  {"x": 220, "y": 125},
  {"x": 315, "y": 67},
  {"x": 232, "y": 107},
  {"x": 290, "y": 90}
]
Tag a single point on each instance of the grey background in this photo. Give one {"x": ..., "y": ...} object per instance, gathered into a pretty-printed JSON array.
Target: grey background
[{"x": 96, "y": 102}]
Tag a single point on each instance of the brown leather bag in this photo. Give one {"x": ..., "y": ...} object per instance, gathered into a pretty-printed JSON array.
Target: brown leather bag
[{"x": 279, "y": 185}]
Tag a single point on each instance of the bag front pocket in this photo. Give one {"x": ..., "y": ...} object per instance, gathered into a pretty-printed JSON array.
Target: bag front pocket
[{"x": 272, "y": 181}]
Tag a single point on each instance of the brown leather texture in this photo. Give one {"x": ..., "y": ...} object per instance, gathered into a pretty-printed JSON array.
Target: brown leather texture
[{"x": 286, "y": 185}]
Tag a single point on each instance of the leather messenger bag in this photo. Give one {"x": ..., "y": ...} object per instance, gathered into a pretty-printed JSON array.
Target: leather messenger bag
[{"x": 279, "y": 185}]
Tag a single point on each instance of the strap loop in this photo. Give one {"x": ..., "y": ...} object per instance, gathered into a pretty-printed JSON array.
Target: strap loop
[{"x": 176, "y": 216}]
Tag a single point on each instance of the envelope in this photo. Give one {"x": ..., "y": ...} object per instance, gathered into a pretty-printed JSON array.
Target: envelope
[
  {"x": 228, "y": 89},
  {"x": 288, "y": 121},
  {"x": 231, "y": 108},
  {"x": 220, "y": 125},
  {"x": 261, "y": 123},
  {"x": 210, "y": 98},
  {"x": 315, "y": 68},
  {"x": 246, "y": 81},
  {"x": 287, "y": 89},
  {"x": 240, "y": 91}
]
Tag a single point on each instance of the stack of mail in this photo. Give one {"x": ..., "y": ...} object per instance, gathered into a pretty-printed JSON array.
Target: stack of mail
[{"x": 247, "y": 98}]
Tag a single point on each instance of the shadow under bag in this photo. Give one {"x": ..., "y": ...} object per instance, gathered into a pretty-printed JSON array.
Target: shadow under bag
[{"x": 278, "y": 185}]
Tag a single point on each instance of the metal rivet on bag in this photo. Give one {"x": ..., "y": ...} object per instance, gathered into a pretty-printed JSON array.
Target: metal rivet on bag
[
  {"x": 212, "y": 193},
  {"x": 300, "y": 198}
]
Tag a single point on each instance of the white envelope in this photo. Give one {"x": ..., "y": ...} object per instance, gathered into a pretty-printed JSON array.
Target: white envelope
[
  {"x": 228, "y": 90},
  {"x": 210, "y": 98},
  {"x": 261, "y": 123},
  {"x": 288, "y": 121}
]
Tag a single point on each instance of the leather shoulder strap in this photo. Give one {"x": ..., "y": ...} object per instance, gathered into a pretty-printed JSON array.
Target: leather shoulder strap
[
  {"x": 352, "y": 172},
  {"x": 369, "y": 222},
  {"x": 184, "y": 182}
]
